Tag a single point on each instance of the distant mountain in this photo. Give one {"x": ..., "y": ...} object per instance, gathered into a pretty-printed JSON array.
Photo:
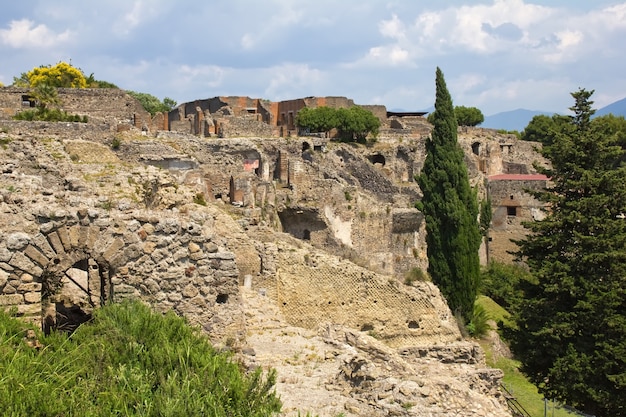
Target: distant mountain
[
  {"x": 519, "y": 119},
  {"x": 512, "y": 120},
  {"x": 618, "y": 108}
]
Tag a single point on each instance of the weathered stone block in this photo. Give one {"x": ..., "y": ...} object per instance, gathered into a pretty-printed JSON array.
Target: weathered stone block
[
  {"x": 9, "y": 289},
  {"x": 17, "y": 241},
  {"x": 29, "y": 287},
  {"x": 174, "y": 297},
  {"x": 65, "y": 238},
  {"x": 11, "y": 299},
  {"x": 30, "y": 310},
  {"x": 4, "y": 277},
  {"x": 26, "y": 278},
  {"x": 196, "y": 256},
  {"x": 41, "y": 243},
  {"x": 190, "y": 291},
  {"x": 32, "y": 297},
  {"x": 74, "y": 235},
  {"x": 149, "y": 247},
  {"x": 112, "y": 249},
  {"x": 20, "y": 261},
  {"x": 56, "y": 242},
  {"x": 36, "y": 256}
]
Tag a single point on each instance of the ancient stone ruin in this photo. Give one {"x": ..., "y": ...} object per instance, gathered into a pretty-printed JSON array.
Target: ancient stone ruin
[{"x": 264, "y": 239}]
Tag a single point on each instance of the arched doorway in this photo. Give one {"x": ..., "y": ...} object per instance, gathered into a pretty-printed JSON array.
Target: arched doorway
[{"x": 70, "y": 296}]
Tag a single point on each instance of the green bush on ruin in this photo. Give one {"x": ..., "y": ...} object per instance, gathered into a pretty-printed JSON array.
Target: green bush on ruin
[{"x": 127, "y": 361}]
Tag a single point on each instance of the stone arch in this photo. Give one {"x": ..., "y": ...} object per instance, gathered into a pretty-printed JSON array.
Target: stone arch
[
  {"x": 65, "y": 272},
  {"x": 80, "y": 260},
  {"x": 69, "y": 296}
]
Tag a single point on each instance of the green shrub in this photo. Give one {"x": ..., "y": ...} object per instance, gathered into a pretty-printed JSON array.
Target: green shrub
[
  {"x": 128, "y": 361},
  {"x": 501, "y": 282},
  {"x": 478, "y": 325},
  {"x": 116, "y": 143},
  {"x": 49, "y": 115},
  {"x": 414, "y": 275},
  {"x": 199, "y": 199}
]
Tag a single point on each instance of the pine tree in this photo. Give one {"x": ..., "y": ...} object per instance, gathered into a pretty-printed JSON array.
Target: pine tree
[
  {"x": 571, "y": 335},
  {"x": 450, "y": 208}
]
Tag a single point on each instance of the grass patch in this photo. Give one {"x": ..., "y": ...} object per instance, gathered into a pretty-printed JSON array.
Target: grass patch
[
  {"x": 515, "y": 381},
  {"x": 495, "y": 312},
  {"x": 128, "y": 361}
]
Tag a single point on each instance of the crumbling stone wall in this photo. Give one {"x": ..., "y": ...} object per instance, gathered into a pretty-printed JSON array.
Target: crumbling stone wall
[
  {"x": 171, "y": 262},
  {"x": 313, "y": 290},
  {"x": 512, "y": 205},
  {"x": 109, "y": 105}
]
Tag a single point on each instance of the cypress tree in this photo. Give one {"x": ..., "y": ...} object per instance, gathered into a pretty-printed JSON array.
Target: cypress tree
[
  {"x": 450, "y": 208},
  {"x": 571, "y": 325}
]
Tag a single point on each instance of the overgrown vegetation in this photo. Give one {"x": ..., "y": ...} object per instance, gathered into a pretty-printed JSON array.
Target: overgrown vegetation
[
  {"x": 128, "y": 361},
  {"x": 502, "y": 283},
  {"x": 50, "y": 115},
  {"x": 152, "y": 104},
  {"x": 47, "y": 103},
  {"x": 465, "y": 116},
  {"x": 61, "y": 75},
  {"x": 415, "y": 275},
  {"x": 353, "y": 124}
]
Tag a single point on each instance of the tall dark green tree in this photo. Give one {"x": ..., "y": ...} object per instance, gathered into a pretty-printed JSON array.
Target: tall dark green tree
[
  {"x": 450, "y": 208},
  {"x": 571, "y": 335}
]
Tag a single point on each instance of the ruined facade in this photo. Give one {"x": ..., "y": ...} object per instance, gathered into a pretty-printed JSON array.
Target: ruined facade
[
  {"x": 109, "y": 106},
  {"x": 512, "y": 205},
  {"x": 320, "y": 231}
]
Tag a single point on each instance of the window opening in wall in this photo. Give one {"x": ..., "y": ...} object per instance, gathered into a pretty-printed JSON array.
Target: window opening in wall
[
  {"x": 221, "y": 299},
  {"x": 291, "y": 122},
  {"x": 511, "y": 211},
  {"x": 306, "y": 235},
  {"x": 305, "y": 146},
  {"x": 28, "y": 101},
  {"x": 414, "y": 325},
  {"x": 511, "y": 197},
  {"x": 476, "y": 148}
]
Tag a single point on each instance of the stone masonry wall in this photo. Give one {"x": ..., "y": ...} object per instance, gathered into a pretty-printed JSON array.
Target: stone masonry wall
[
  {"x": 109, "y": 105},
  {"x": 170, "y": 262}
]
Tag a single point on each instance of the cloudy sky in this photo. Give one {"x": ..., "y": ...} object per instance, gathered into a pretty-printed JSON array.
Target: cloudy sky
[{"x": 497, "y": 55}]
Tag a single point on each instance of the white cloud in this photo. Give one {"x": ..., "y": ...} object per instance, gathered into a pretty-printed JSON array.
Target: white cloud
[
  {"x": 285, "y": 16},
  {"x": 133, "y": 18},
  {"x": 288, "y": 80},
  {"x": 205, "y": 75},
  {"x": 24, "y": 34},
  {"x": 465, "y": 27},
  {"x": 393, "y": 28},
  {"x": 566, "y": 46}
]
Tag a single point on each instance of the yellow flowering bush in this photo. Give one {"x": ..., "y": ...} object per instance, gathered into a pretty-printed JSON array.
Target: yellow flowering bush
[{"x": 61, "y": 75}]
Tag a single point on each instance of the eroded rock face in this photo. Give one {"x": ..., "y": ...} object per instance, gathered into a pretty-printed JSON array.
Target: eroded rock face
[{"x": 83, "y": 225}]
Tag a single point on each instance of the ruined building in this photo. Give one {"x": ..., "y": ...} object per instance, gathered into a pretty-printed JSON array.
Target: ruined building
[{"x": 321, "y": 233}]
